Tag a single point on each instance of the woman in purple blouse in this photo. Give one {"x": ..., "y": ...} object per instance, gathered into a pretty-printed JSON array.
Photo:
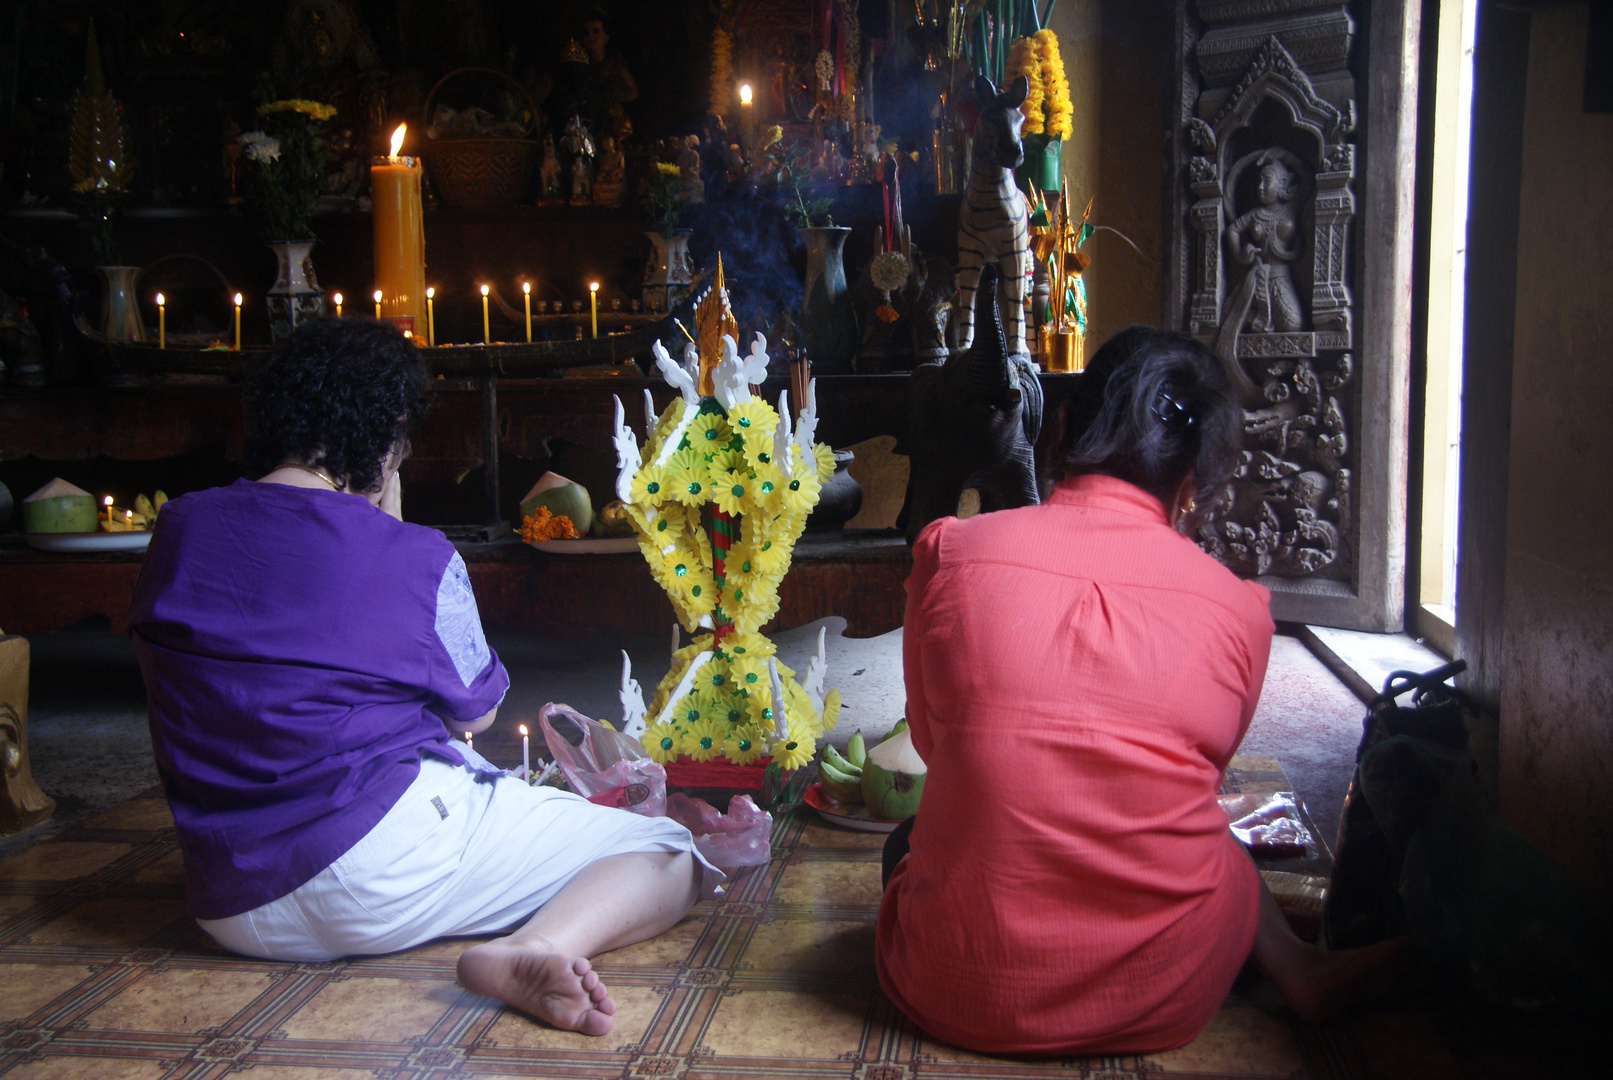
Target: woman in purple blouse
[{"x": 306, "y": 654}]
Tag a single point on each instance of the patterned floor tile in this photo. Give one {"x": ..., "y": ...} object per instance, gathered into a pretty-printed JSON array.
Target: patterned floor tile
[
  {"x": 179, "y": 1000},
  {"x": 117, "y": 923},
  {"x": 787, "y": 1025},
  {"x": 88, "y": 1068},
  {"x": 359, "y": 1009},
  {"x": 61, "y": 861},
  {"x": 26, "y": 988},
  {"x": 844, "y": 947},
  {"x": 1238, "y": 1040},
  {"x": 142, "y": 813},
  {"x": 823, "y": 884}
]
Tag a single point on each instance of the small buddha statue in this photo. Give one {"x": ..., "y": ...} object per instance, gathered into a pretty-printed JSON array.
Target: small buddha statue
[{"x": 610, "y": 178}]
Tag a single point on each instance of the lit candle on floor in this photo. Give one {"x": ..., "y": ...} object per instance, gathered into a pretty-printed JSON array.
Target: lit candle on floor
[
  {"x": 526, "y": 756},
  {"x": 162, "y": 322},
  {"x": 487, "y": 337},
  {"x": 237, "y": 322},
  {"x": 377, "y": 303},
  {"x": 526, "y": 300},
  {"x": 338, "y": 298},
  {"x": 431, "y": 317},
  {"x": 593, "y": 305}
]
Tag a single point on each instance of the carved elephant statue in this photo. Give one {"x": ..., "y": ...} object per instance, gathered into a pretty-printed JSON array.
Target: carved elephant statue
[{"x": 972, "y": 425}]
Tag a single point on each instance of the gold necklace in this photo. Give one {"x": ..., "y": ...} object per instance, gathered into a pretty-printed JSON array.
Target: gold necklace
[{"x": 310, "y": 469}]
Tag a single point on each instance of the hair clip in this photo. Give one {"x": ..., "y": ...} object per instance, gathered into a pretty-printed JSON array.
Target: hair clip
[{"x": 1172, "y": 413}]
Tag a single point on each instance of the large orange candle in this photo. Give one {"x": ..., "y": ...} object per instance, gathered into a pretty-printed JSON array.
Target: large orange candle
[{"x": 400, "y": 239}]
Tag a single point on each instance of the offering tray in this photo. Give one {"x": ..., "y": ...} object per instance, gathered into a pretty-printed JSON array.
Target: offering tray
[
  {"x": 847, "y": 817},
  {"x": 588, "y": 545},
  {"x": 89, "y": 541}
]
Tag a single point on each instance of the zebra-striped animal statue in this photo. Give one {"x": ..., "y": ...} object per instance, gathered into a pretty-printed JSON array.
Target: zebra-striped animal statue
[{"x": 993, "y": 223}]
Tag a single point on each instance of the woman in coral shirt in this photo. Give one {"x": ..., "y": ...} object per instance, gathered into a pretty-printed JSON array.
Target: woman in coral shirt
[{"x": 1078, "y": 675}]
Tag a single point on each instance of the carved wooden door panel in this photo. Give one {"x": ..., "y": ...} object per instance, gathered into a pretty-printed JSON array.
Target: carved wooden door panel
[{"x": 1290, "y": 257}]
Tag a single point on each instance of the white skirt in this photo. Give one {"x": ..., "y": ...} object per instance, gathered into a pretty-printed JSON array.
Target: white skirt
[{"x": 462, "y": 852}]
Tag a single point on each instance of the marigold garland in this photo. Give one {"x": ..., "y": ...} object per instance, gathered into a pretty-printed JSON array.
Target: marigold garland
[
  {"x": 546, "y": 525},
  {"x": 1056, "y": 106}
]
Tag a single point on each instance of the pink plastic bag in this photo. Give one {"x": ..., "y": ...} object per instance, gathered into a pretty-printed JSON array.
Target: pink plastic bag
[
  {"x": 601, "y": 764},
  {"x": 741, "y": 837}
]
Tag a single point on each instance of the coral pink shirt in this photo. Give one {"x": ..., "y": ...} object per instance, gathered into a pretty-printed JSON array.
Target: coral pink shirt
[{"x": 1078, "y": 675}]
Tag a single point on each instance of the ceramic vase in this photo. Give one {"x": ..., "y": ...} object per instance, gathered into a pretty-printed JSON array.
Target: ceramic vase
[
  {"x": 121, "y": 319},
  {"x": 830, "y": 323},
  {"x": 294, "y": 298},
  {"x": 669, "y": 271}
]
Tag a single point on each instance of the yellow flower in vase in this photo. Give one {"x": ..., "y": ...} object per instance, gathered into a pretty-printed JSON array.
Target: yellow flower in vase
[
  {"x": 686, "y": 477},
  {"x": 751, "y": 646},
  {"x": 748, "y": 672},
  {"x": 743, "y": 746},
  {"x": 705, "y": 738},
  {"x": 752, "y": 416},
  {"x": 731, "y": 492},
  {"x": 661, "y": 742},
  {"x": 794, "y": 750},
  {"x": 825, "y": 459},
  {"x": 650, "y": 485},
  {"x": 707, "y": 433}
]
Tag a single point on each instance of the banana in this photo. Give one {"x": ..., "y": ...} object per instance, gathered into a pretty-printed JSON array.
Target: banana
[
  {"x": 143, "y": 507},
  {"x": 832, "y": 757},
  {"x": 901, "y": 726},
  {"x": 839, "y": 786},
  {"x": 158, "y": 499},
  {"x": 856, "y": 750}
]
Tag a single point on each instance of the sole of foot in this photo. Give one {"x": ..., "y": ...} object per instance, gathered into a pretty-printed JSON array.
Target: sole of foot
[{"x": 562, "y": 991}]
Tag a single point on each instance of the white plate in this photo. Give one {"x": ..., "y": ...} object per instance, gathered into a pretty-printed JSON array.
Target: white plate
[
  {"x": 589, "y": 545},
  {"x": 95, "y": 541},
  {"x": 847, "y": 817}
]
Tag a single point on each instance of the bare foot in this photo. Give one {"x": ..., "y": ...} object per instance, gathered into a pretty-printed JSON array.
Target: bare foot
[
  {"x": 562, "y": 991},
  {"x": 1327, "y": 983}
]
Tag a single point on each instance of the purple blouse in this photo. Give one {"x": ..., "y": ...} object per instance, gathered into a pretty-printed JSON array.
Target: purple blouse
[{"x": 301, "y": 649}]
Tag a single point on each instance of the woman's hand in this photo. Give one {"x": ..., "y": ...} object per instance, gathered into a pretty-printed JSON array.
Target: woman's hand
[{"x": 392, "y": 496}]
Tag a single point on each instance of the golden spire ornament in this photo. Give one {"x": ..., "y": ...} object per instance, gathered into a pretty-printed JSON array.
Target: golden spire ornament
[{"x": 713, "y": 319}]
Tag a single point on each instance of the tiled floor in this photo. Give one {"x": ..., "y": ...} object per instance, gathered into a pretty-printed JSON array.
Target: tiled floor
[{"x": 103, "y": 976}]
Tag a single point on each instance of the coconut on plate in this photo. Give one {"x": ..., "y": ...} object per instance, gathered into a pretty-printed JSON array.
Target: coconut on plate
[{"x": 59, "y": 507}]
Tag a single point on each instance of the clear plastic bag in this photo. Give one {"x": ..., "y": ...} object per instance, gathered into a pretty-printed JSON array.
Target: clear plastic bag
[
  {"x": 601, "y": 764},
  {"x": 1267, "y": 823},
  {"x": 741, "y": 837}
]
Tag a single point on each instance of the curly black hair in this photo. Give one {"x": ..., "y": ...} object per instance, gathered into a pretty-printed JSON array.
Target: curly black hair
[
  {"x": 340, "y": 394},
  {"x": 1165, "y": 411}
]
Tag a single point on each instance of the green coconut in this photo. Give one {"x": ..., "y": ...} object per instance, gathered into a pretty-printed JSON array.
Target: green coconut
[
  {"x": 893, "y": 778},
  {"x": 59, "y": 507},
  {"x": 561, "y": 496}
]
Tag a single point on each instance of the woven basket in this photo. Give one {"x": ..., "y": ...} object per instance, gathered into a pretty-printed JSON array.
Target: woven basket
[{"x": 481, "y": 174}]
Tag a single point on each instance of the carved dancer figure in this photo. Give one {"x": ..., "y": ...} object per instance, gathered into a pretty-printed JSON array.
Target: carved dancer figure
[
  {"x": 632, "y": 699},
  {"x": 993, "y": 224},
  {"x": 1263, "y": 239}
]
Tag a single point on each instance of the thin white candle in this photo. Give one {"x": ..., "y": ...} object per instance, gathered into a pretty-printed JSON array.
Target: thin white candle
[
  {"x": 526, "y": 756},
  {"x": 526, "y": 300}
]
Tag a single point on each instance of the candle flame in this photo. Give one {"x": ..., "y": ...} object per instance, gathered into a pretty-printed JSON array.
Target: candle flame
[
  {"x": 523, "y": 729},
  {"x": 377, "y": 296},
  {"x": 397, "y": 139},
  {"x": 237, "y": 299},
  {"x": 107, "y": 500},
  {"x": 744, "y": 93},
  {"x": 408, "y": 333},
  {"x": 526, "y": 287},
  {"x": 128, "y": 514},
  {"x": 484, "y": 290},
  {"x": 160, "y": 300},
  {"x": 431, "y": 292},
  {"x": 337, "y": 297},
  {"x": 593, "y": 286}
]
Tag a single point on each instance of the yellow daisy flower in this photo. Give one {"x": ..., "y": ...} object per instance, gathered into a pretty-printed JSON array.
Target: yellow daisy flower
[
  {"x": 740, "y": 566},
  {"x": 748, "y": 673},
  {"x": 669, "y": 526},
  {"x": 752, "y": 415},
  {"x": 731, "y": 493},
  {"x": 743, "y": 746},
  {"x": 825, "y": 458},
  {"x": 661, "y": 742},
  {"x": 740, "y": 646},
  {"x": 758, "y": 447},
  {"x": 795, "y": 750},
  {"x": 705, "y": 738},
  {"x": 714, "y": 678},
  {"x": 686, "y": 477},
  {"x": 768, "y": 483},
  {"x": 650, "y": 485},
  {"x": 730, "y": 709},
  {"x": 800, "y": 494},
  {"x": 707, "y": 433}
]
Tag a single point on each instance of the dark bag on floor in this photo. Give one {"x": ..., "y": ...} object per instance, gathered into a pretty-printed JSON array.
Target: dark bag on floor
[{"x": 1363, "y": 901}]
